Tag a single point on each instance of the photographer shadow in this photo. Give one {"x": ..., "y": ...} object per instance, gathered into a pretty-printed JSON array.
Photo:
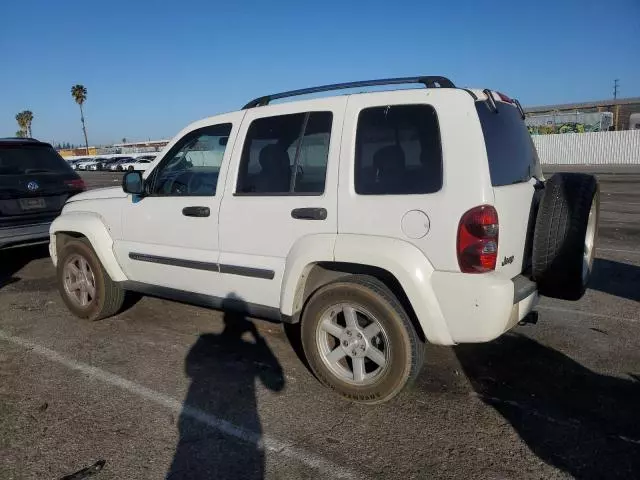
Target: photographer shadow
[{"x": 220, "y": 429}]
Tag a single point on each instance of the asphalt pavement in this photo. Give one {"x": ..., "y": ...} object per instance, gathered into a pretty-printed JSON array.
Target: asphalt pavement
[{"x": 166, "y": 390}]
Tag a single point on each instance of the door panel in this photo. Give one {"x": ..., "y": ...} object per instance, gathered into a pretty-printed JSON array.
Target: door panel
[
  {"x": 284, "y": 165},
  {"x": 170, "y": 235}
]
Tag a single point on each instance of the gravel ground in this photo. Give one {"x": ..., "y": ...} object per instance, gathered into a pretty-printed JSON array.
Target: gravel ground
[{"x": 167, "y": 390}]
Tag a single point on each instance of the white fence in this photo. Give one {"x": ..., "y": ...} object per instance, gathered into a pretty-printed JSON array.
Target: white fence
[{"x": 595, "y": 148}]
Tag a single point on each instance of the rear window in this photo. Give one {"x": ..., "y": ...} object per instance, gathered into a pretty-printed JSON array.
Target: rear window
[
  {"x": 27, "y": 159},
  {"x": 398, "y": 151},
  {"x": 512, "y": 156}
]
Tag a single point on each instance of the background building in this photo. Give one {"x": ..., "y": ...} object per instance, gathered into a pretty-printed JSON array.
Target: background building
[{"x": 623, "y": 114}]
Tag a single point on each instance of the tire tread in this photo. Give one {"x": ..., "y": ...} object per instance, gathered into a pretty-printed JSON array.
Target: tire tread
[{"x": 416, "y": 346}]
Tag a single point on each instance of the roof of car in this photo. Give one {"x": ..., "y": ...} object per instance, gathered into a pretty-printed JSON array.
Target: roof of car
[{"x": 21, "y": 141}]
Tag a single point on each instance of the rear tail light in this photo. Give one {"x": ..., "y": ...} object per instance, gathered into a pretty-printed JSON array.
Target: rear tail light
[
  {"x": 504, "y": 97},
  {"x": 76, "y": 183},
  {"x": 477, "y": 245}
]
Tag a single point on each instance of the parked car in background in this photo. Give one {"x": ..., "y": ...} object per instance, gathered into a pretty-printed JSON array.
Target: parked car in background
[
  {"x": 35, "y": 183},
  {"x": 84, "y": 165},
  {"x": 74, "y": 163},
  {"x": 106, "y": 163},
  {"x": 115, "y": 164},
  {"x": 139, "y": 164},
  {"x": 98, "y": 163}
]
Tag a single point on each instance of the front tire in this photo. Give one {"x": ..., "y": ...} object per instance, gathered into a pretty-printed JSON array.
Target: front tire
[
  {"x": 85, "y": 286},
  {"x": 359, "y": 341}
]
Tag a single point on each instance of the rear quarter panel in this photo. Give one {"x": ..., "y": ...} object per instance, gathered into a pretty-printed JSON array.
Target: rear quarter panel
[{"x": 466, "y": 181}]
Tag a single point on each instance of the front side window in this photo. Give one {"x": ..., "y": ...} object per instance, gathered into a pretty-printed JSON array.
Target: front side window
[
  {"x": 192, "y": 166},
  {"x": 398, "y": 151},
  {"x": 286, "y": 154}
]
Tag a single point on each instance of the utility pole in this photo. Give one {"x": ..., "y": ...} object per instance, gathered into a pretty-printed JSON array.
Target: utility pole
[{"x": 615, "y": 88}]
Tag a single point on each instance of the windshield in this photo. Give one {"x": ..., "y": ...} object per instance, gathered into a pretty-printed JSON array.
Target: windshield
[{"x": 26, "y": 159}]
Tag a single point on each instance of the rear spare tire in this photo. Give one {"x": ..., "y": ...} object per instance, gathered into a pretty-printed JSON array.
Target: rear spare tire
[{"x": 565, "y": 234}]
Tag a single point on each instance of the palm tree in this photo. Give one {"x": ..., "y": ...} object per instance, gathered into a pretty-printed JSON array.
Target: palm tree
[
  {"x": 22, "y": 123},
  {"x": 79, "y": 94},
  {"x": 28, "y": 118}
]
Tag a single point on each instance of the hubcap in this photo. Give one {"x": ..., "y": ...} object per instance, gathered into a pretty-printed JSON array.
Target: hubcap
[
  {"x": 589, "y": 242},
  {"x": 353, "y": 344},
  {"x": 79, "y": 281}
]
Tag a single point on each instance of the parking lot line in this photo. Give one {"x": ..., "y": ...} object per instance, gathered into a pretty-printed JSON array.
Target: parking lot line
[
  {"x": 588, "y": 314},
  {"x": 266, "y": 442}
]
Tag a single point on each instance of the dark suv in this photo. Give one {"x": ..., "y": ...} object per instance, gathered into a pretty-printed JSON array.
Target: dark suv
[{"x": 35, "y": 182}]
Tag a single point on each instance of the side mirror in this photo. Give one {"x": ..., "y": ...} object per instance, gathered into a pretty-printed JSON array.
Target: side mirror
[{"x": 132, "y": 183}]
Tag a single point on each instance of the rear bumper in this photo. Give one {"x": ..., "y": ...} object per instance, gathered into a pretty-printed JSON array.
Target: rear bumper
[
  {"x": 24, "y": 234},
  {"x": 479, "y": 308}
]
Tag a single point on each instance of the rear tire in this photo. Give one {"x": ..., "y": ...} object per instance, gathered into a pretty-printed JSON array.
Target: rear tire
[
  {"x": 565, "y": 235},
  {"x": 339, "y": 339},
  {"x": 84, "y": 284}
]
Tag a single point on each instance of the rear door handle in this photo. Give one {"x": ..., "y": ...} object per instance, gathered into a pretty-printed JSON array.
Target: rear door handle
[
  {"x": 309, "y": 213},
  {"x": 196, "y": 211}
]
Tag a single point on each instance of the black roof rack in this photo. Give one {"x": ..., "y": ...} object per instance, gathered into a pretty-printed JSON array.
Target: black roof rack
[{"x": 429, "y": 82}]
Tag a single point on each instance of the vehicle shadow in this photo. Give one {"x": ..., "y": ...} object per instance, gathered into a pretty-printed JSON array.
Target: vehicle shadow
[
  {"x": 577, "y": 420},
  {"x": 220, "y": 430},
  {"x": 616, "y": 278},
  {"x": 14, "y": 259}
]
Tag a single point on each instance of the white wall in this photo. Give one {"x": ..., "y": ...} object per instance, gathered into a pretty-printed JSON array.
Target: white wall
[{"x": 595, "y": 148}]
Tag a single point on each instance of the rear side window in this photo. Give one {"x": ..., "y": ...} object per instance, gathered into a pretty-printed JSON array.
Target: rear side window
[
  {"x": 28, "y": 159},
  {"x": 398, "y": 151},
  {"x": 286, "y": 154},
  {"x": 512, "y": 156}
]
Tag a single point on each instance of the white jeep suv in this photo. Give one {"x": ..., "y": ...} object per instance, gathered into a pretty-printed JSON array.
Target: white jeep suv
[{"x": 379, "y": 221}]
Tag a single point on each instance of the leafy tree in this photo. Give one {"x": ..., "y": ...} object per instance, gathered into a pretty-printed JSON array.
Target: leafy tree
[
  {"x": 28, "y": 119},
  {"x": 22, "y": 123},
  {"x": 24, "y": 120}
]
